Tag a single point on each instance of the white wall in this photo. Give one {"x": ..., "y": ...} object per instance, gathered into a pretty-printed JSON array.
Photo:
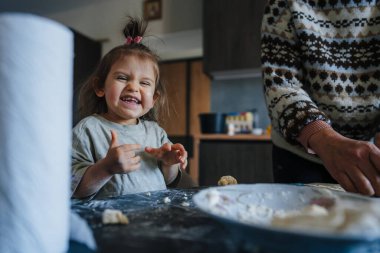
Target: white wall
[{"x": 104, "y": 20}]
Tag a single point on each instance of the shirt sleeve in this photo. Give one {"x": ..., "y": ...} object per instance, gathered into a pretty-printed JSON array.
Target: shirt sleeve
[
  {"x": 81, "y": 157},
  {"x": 289, "y": 105},
  {"x": 164, "y": 137}
]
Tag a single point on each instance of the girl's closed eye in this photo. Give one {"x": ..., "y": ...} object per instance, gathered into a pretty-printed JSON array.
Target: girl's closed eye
[
  {"x": 122, "y": 78},
  {"x": 146, "y": 83}
]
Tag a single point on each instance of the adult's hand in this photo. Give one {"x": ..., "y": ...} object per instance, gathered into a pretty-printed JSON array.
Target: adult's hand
[
  {"x": 355, "y": 165},
  {"x": 377, "y": 140}
]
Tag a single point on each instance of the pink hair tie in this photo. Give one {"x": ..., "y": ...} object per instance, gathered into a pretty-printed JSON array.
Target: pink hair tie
[
  {"x": 137, "y": 39},
  {"x": 131, "y": 40}
]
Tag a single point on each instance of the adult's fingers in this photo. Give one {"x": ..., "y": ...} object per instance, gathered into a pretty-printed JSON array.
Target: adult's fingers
[
  {"x": 360, "y": 180},
  {"x": 374, "y": 157},
  {"x": 377, "y": 140},
  {"x": 346, "y": 183},
  {"x": 374, "y": 175}
]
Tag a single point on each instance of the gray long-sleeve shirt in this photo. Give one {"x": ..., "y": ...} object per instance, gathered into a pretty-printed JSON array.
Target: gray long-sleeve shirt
[{"x": 91, "y": 141}]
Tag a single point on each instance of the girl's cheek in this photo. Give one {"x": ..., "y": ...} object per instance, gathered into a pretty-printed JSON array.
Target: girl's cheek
[{"x": 150, "y": 95}]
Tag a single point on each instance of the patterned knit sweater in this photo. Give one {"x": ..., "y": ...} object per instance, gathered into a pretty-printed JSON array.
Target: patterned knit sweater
[{"x": 321, "y": 61}]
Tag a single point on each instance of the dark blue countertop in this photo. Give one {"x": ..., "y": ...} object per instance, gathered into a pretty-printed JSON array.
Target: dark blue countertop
[{"x": 156, "y": 226}]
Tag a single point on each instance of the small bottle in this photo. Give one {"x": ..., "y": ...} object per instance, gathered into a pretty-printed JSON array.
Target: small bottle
[{"x": 231, "y": 129}]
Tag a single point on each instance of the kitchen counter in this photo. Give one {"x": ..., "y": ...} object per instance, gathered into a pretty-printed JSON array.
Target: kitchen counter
[
  {"x": 194, "y": 169},
  {"x": 156, "y": 226},
  {"x": 240, "y": 137}
]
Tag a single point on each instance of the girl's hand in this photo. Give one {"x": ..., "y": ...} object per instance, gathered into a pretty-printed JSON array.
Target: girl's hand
[
  {"x": 121, "y": 159},
  {"x": 354, "y": 164},
  {"x": 169, "y": 154}
]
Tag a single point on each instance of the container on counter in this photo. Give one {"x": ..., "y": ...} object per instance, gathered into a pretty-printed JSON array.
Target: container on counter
[
  {"x": 212, "y": 123},
  {"x": 241, "y": 122}
]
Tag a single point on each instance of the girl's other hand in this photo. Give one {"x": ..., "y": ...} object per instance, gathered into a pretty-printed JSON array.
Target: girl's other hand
[
  {"x": 121, "y": 159},
  {"x": 170, "y": 154}
]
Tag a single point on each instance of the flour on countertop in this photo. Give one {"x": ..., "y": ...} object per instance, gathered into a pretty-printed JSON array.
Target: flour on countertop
[{"x": 185, "y": 203}]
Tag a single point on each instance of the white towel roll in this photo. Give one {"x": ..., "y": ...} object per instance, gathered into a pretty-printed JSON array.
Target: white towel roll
[{"x": 36, "y": 60}]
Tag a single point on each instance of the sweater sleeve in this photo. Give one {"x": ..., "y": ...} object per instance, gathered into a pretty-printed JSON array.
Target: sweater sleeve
[
  {"x": 309, "y": 131},
  {"x": 289, "y": 105}
]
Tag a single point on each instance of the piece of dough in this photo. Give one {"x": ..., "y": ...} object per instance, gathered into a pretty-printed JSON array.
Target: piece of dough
[
  {"x": 227, "y": 180},
  {"x": 114, "y": 216}
]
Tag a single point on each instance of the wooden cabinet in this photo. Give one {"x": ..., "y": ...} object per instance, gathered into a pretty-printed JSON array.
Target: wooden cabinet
[
  {"x": 231, "y": 35},
  {"x": 174, "y": 77},
  {"x": 200, "y": 96},
  {"x": 247, "y": 161},
  {"x": 188, "y": 91}
]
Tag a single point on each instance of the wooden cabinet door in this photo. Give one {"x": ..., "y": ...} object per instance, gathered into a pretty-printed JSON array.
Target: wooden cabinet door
[
  {"x": 189, "y": 93},
  {"x": 173, "y": 75},
  {"x": 200, "y": 95},
  {"x": 248, "y": 161},
  {"x": 231, "y": 34}
]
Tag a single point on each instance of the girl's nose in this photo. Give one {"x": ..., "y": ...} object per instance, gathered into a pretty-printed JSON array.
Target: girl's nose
[{"x": 132, "y": 86}]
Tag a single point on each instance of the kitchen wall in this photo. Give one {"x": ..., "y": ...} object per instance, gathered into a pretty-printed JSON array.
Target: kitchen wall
[
  {"x": 178, "y": 34},
  {"x": 238, "y": 95},
  {"x": 104, "y": 20}
]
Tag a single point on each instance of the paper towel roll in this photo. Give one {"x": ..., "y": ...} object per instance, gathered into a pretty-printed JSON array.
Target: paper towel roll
[{"x": 36, "y": 56}]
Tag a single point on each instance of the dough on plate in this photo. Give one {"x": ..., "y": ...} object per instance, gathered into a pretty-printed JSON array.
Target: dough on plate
[{"x": 227, "y": 180}]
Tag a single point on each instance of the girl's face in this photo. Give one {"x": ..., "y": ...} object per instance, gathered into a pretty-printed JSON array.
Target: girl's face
[{"x": 129, "y": 89}]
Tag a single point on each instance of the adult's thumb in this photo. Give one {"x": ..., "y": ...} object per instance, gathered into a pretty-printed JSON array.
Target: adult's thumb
[{"x": 114, "y": 141}]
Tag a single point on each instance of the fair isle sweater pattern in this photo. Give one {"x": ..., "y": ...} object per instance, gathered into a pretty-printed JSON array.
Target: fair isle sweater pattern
[{"x": 321, "y": 61}]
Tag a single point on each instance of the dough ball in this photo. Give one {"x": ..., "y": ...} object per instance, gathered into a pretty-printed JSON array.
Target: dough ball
[
  {"x": 113, "y": 216},
  {"x": 227, "y": 180}
]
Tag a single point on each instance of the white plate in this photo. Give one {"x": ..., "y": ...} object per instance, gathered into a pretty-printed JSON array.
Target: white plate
[{"x": 279, "y": 198}]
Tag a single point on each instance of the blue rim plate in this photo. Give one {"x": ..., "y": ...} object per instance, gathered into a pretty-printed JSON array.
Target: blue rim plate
[{"x": 282, "y": 197}]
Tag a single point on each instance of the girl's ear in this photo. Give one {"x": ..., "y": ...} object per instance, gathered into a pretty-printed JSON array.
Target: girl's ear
[
  {"x": 156, "y": 96},
  {"x": 98, "y": 91}
]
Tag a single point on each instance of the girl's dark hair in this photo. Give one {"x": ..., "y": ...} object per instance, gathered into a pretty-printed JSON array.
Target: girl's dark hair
[{"x": 89, "y": 103}]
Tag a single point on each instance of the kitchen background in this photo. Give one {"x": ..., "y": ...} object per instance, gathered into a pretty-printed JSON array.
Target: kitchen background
[
  {"x": 210, "y": 51},
  {"x": 178, "y": 35}
]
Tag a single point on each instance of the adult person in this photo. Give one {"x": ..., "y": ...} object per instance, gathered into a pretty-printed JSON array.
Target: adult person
[{"x": 321, "y": 76}]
